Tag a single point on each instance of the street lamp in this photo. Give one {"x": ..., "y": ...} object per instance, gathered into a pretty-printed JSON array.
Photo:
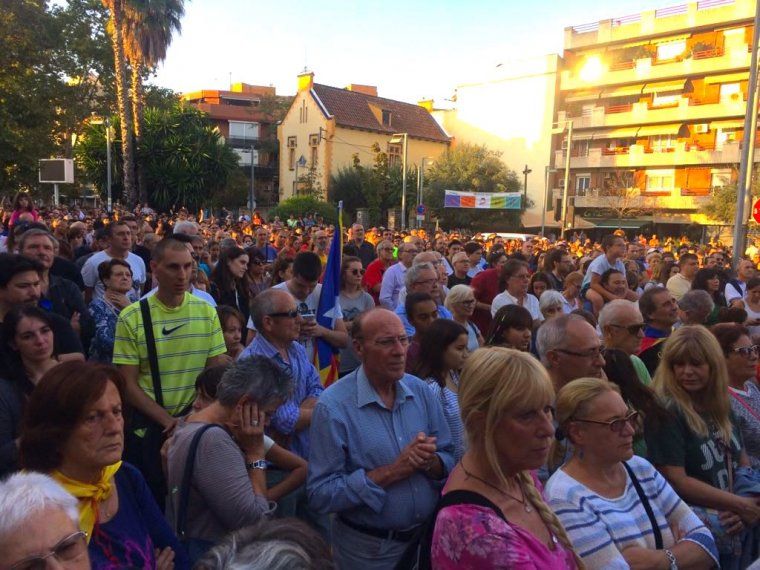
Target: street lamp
[
  {"x": 421, "y": 182},
  {"x": 547, "y": 170},
  {"x": 107, "y": 123},
  {"x": 395, "y": 139},
  {"x": 525, "y": 172},
  {"x": 252, "y": 192},
  {"x": 561, "y": 126}
]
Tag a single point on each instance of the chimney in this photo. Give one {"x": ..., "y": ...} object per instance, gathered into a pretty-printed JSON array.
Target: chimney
[
  {"x": 366, "y": 89},
  {"x": 426, "y": 104},
  {"x": 305, "y": 80}
]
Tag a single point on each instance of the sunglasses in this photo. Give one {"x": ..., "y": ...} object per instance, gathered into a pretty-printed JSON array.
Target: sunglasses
[
  {"x": 258, "y": 262},
  {"x": 285, "y": 314},
  {"x": 357, "y": 272},
  {"x": 747, "y": 351},
  {"x": 616, "y": 426},
  {"x": 633, "y": 330}
]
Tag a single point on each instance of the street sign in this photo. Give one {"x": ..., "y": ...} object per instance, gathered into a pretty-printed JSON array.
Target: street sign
[
  {"x": 756, "y": 211},
  {"x": 421, "y": 209}
]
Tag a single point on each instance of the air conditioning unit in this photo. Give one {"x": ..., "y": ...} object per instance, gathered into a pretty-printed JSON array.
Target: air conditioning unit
[{"x": 702, "y": 128}]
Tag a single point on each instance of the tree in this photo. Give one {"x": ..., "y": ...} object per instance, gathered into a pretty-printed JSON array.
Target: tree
[
  {"x": 471, "y": 168},
  {"x": 620, "y": 198},
  {"x": 303, "y": 205},
  {"x": 186, "y": 161},
  {"x": 722, "y": 204}
]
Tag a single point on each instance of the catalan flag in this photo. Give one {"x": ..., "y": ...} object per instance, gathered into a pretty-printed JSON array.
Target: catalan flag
[{"x": 325, "y": 355}]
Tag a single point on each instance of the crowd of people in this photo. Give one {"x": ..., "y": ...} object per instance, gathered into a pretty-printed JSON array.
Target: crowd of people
[{"x": 534, "y": 403}]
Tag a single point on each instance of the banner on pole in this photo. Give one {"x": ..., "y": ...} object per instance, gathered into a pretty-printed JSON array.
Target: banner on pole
[{"x": 482, "y": 200}]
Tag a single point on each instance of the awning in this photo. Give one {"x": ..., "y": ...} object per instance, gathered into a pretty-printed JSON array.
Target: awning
[
  {"x": 583, "y": 96},
  {"x": 671, "y": 39},
  {"x": 614, "y": 223},
  {"x": 727, "y": 78},
  {"x": 667, "y": 129},
  {"x": 665, "y": 86},
  {"x": 624, "y": 91},
  {"x": 583, "y": 135},
  {"x": 625, "y": 133},
  {"x": 729, "y": 124},
  {"x": 672, "y": 219}
]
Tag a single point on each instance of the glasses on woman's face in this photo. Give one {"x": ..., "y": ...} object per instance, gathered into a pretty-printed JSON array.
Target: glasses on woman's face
[
  {"x": 747, "y": 351},
  {"x": 468, "y": 302},
  {"x": 616, "y": 426},
  {"x": 69, "y": 548},
  {"x": 356, "y": 272}
]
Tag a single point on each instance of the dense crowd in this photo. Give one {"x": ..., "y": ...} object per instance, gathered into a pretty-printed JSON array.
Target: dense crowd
[{"x": 493, "y": 402}]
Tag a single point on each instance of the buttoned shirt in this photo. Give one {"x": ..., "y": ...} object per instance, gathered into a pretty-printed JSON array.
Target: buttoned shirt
[
  {"x": 306, "y": 385},
  {"x": 353, "y": 432},
  {"x": 529, "y": 302},
  {"x": 393, "y": 281}
]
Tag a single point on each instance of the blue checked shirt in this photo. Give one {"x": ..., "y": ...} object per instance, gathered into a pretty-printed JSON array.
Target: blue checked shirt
[
  {"x": 306, "y": 384},
  {"x": 352, "y": 433}
]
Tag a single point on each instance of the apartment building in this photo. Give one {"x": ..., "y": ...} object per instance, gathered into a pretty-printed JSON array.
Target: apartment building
[
  {"x": 656, "y": 103},
  {"x": 326, "y": 127},
  {"x": 246, "y": 116}
]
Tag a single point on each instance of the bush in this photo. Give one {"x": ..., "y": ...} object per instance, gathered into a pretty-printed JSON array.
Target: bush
[{"x": 303, "y": 205}]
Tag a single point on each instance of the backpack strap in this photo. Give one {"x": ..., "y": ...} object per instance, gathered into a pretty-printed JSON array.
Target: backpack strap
[
  {"x": 187, "y": 476},
  {"x": 150, "y": 343},
  {"x": 647, "y": 507}
]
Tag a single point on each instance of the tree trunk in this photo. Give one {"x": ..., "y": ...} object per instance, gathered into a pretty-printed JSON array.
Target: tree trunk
[
  {"x": 122, "y": 97},
  {"x": 139, "y": 121}
]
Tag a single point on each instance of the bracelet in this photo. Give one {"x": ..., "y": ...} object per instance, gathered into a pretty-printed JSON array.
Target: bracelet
[{"x": 671, "y": 559}]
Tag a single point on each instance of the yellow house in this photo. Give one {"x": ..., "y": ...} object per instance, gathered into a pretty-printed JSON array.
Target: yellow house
[{"x": 326, "y": 126}]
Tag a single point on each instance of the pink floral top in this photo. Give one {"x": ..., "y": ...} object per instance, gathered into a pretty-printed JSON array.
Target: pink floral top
[{"x": 475, "y": 537}]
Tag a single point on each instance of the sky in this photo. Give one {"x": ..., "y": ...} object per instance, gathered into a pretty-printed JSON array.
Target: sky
[{"x": 410, "y": 50}]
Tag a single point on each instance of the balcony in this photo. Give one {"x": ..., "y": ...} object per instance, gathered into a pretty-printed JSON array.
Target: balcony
[
  {"x": 677, "y": 200},
  {"x": 734, "y": 58},
  {"x": 243, "y": 142},
  {"x": 639, "y": 156},
  {"x": 686, "y": 110}
]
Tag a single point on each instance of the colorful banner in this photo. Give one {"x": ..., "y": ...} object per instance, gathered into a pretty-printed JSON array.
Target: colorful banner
[{"x": 482, "y": 200}]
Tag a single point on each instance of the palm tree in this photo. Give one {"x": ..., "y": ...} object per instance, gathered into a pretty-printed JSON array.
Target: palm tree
[
  {"x": 115, "y": 30},
  {"x": 148, "y": 29}
]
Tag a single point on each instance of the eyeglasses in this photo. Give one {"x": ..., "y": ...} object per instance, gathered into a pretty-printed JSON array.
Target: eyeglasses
[
  {"x": 285, "y": 314},
  {"x": 633, "y": 330},
  {"x": 68, "y": 549},
  {"x": 747, "y": 351},
  {"x": 390, "y": 341},
  {"x": 357, "y": 272},
  {"x": 425, "y": 282},
  {"x": 258, "y": 262},
  {"x": 468, "y": 302},
  {"x": 592, "y": 353},
  {"x": 618, "y": 425}
]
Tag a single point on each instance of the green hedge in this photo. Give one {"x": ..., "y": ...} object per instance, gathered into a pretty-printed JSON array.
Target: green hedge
[{"x": 303, "y": 205}]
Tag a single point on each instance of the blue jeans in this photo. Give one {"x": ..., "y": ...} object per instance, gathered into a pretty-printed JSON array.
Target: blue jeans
[{"x": 354, "y": 550}]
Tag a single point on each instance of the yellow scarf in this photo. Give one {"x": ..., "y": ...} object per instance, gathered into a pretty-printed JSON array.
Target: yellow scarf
[{"x": 89, "y": 495}]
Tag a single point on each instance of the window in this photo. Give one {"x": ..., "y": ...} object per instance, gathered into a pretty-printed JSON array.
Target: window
[
  {"x": 314, "y": 149},
  {"x": 588, "y": 110},
  {"x": 386, "y": 118},
  {"x": 723, "y": 136},
  {"x": 292, "y": 153},
  {"x": 580, "y": 148},
  {"x": 582, "y": 184},
  {"x": 394, "y": 154},
  {"x": 665, "y": 100},
  {"x": 730, "y": 91},
  {"x": 244, "y": 131},
  {"x": 670, "y": 50},
  {"x": 303, "y": 112},
  {"x": 720, "y": 177},
  {"x": 660, "y": 180},
  {"x": 660, "y": 143}
]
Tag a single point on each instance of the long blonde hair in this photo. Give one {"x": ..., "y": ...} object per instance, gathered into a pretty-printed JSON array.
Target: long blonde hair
[
  {"x": 494, "y": 381},
  {"x": 694, "y": 343}
]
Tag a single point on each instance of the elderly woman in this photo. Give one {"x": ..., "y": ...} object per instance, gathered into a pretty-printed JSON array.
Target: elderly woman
[
  {"x": 699, "y": 450},
  {"x": 517, "y": 278},
  {"x": 74, "y": 430},
  {"x": 28, "y": 343},
  {"x": 695, "y": 307},
  {"x": 741, "y": 355},
  {"x": 47, "y": 524},
  {"x": 221, "y": 450},
  {"x": 619, "y": 511},
  {"x": 461, "y": 302},
  {"x": 492, "y": 514},
  {"x": 551, "y": 304},
  {"x": 116, "y": 276}
]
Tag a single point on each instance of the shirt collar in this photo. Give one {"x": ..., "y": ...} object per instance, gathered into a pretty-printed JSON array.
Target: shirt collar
[{"x": 366, "y": 395}]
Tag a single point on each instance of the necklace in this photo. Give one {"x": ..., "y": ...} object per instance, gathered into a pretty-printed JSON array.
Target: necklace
[{"x": 523, "y": 502}]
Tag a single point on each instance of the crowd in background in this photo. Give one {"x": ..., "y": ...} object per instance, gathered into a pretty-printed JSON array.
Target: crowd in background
[{"x": 497, "y": 402}]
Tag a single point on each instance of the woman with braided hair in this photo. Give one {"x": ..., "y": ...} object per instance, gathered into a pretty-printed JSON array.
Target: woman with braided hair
[
  {"x": 619, "y": 511},
  {"x": 492, "y": 514}
]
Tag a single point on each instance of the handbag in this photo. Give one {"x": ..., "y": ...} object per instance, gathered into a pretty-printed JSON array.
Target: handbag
[{"x": 647, "y": 507}]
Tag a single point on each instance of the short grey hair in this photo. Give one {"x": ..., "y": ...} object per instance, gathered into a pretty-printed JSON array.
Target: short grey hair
[
  {"x": 25, "y": 494},
  {"x": 610, "y": 313},
  {"x": 264, "y": 304},
  {"x": 552, "y": 334},
  {"x": 696, "y": 300},
  {"x": 36, "y": 232},
  {"x": 413, "y": 273},
  {"x": 257, "y": 377},
  {"x": 425, "y": 257},
  {"x": 457, "y": 294},
  {"x": 280, "y": 544},
  {"x": 382, "y": 244},
  {"x": 187, "y": 227},
  {"x": 550, "y": 298}
]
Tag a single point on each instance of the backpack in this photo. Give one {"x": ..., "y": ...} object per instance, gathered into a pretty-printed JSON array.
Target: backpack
[{"x": 417, "y": 553}]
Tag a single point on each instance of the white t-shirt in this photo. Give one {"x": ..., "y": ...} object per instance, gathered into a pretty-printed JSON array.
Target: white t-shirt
[
  {"x": 91, "y": 279},
  {"x": 599, "y": 266},
  {"x": 732, "y": 294},
  {"x": 531, "y": 303}
]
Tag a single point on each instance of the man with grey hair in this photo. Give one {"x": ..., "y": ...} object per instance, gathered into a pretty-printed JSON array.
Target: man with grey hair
[
  {"x": 359, "y": 247},
  {"x": 373, "y": 277},
  {"x": 186, "y": 227},
  {"x": 622, "y": 328},
  {"x": 569, "y": 348},
  {"x": 695, "y": 307},
  {"x": 422, "y": 278},
  {"x": 38, "y": 518},
  {"x": 393, "y": 279}
]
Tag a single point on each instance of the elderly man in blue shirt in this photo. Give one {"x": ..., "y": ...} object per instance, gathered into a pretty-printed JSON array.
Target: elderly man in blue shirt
[{"x": 380, "y": 449}]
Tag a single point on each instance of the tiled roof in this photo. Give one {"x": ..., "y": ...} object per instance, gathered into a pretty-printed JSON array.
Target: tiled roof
[{"x": 352, "y": 109}]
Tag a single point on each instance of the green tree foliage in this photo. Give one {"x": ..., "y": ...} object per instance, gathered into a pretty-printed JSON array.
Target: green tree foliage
[
  {"x": 186, "y": 161},
  {"x": 722, "y": 204},
  {"x": 303, "y": 205},
  {"x": 471, "y": 168}
]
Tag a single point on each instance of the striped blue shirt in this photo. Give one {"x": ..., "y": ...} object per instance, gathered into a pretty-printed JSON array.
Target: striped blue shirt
[
  {"x": 601, "y": 528},
  {"x": 450, "y": 403}
]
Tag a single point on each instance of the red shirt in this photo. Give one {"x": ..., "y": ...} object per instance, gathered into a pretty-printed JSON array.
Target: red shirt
[
  {"x": 485, "y": 286},
  {"x": 373, "y": 276}
]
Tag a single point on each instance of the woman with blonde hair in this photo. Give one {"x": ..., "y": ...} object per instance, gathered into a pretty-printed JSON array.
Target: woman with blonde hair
[
  {"x": 492, "y": 514},
  {"x": 699, "y": 450},
  {"x": 461, "y": 302},
  {"x": 619, "y": 511}
]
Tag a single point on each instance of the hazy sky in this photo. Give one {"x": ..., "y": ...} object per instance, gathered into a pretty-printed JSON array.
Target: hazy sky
[{"x": 409, "y": 49}]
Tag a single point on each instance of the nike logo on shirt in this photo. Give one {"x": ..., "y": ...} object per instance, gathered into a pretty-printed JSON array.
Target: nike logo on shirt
[{"x": 167, "y": 332}]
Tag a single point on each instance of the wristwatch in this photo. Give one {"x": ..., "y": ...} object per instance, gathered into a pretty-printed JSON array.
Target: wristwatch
[
  {"x": 671, "y": 559},
  {"x": 258, "y": 464}
]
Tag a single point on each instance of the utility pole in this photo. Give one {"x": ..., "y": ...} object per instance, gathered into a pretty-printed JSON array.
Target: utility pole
[
  {"x": 525, "y": 172},
  {"x": 108, "y": 165},
  {"x": 566, "y": 189},
  {"x": 252, "y": 197},
  {"x": 744, "y": 183}
]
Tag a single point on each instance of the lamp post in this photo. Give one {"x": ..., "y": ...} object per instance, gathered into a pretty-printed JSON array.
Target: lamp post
[
  {"x": 525, "y": 172},
  {"x": 421, "y": 183},
  {"x": 561, "y": 126},
  {"x": 95, "y": 120},
  {"x": 252, "y": 191},
  {"x": 395, "y": 139},
  {"x": 547, "y": 170}
]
